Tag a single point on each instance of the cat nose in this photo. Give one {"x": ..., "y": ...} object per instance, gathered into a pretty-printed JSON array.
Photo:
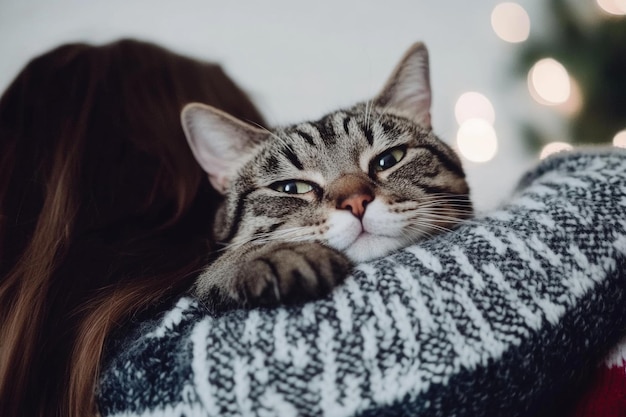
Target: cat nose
[{"x": 355, "y": 203}]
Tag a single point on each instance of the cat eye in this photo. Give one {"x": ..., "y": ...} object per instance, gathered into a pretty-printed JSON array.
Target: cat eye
[
  {"x": 389, "y": 158},
  {"x": 292, "y": 187}
]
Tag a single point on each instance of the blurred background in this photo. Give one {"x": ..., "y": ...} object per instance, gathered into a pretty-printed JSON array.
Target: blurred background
[{"x": 512, "y": 82}]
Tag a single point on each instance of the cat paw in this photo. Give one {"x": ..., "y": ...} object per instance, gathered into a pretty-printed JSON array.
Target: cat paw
[{"x": 290, "y": 273}]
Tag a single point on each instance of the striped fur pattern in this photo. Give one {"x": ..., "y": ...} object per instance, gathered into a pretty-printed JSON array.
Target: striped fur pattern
[{"x": 305, "y": 201}]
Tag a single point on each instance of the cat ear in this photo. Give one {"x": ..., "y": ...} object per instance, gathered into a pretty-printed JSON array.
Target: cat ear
[
  {"x": 219, "y": 142},
  {"x": 408, "y": 88}
]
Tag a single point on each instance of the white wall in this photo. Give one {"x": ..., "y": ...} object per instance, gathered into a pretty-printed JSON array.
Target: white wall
[{"x": 302, "y": 59}]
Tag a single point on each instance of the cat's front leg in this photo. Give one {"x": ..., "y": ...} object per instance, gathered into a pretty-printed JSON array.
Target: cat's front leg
[{"x": 270, "y": 274}]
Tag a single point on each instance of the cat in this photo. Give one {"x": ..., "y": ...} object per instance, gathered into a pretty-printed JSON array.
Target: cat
[{"x": 303, "y": 203}]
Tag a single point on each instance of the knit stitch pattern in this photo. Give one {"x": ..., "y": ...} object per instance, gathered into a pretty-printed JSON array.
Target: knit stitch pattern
[{"x": 501, "y": 316}]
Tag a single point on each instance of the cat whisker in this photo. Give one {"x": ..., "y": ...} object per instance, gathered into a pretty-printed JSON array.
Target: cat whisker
[
  {"x": 443, "y": 199},
  {"x": 383, "y": 113},
  {"x": 423, "y": 233},
  {"x": 454, "y": 222},
  {"x": 257, "y": 238},
  {"x": 443, "y": 214},
  {"x": 430, "y": 220},
  {"x": 450, "y": 197},
  {"x": 449, "y": 217},
  {"x": 445, "y": 195},
  {"x": 272, "y": 134},
  {"x": 427, "y": 227},
  {"x": 368, "y": 113},
  {"x": 439, "y": 224},
  {"x": 435, "y": 213},
  {"x": 443, "y": 205},
  {"x": 294, "y": 234},
  {"x": 440, "y": 200},
  {"x": 451, "y": 210}
]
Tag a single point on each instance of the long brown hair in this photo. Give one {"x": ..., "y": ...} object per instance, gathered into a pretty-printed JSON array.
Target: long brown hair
[{"x": 103, "y": 210}]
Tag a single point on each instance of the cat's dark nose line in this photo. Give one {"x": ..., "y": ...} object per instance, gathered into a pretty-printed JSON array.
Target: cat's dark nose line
[{"x": 356, "y": 203}]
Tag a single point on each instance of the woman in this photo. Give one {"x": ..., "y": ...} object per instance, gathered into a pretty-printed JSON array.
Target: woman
[{"x": 103, "y": 211}]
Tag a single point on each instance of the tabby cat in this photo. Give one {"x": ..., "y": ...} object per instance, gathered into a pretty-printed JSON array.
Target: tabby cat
[{"x": 302, "y": 202}]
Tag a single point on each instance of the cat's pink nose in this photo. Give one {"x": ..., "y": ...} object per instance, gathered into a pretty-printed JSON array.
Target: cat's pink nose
[{"x": 356, "y": 203}]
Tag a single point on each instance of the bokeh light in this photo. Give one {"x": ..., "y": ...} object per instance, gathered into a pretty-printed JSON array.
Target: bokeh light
[
  {"x": 614, "y": 7},
  {"x": 554, "y": 147},
  {"x": 620, "y": 139},
  {"x": 510, "y": 22},
  {"x": 473, "y": 105},
  {"x": 476, "y": 140},
  {"x": 574, "y": 102},
  {"x": 549, "y": 82}
]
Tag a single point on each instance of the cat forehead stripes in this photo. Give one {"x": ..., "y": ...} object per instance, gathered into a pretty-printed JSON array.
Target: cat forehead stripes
[
  {"x": 340, "y": 138},
  {"x": 222, "y": 144}
]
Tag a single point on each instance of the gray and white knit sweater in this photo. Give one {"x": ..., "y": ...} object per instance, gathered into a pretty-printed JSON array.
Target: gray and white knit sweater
[{"x": 500, "y": 317}]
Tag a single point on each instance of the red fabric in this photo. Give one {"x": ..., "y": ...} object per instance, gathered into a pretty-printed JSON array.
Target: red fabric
[{"x": 606, "y": 396}]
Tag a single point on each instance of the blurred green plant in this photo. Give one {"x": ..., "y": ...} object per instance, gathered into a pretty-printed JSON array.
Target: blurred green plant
[{"x": 594, "y": 54}]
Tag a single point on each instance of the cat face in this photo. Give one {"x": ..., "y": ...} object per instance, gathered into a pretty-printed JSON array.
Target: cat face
[{"x": 365, "y": 180}]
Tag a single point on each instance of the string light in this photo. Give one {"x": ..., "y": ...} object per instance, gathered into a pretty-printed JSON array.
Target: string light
[
  {"x": 620, "y": 139},
  {"x": 574, "y": 102},
  {"x": 554, "y": 147},
  {"x": 614, "y": 7},
  {"x": 510, "y": 22},
  {"x": 476, "y": 140},
  {"x": 549, "y": 82},
  {"x": 473, "y": 105}
]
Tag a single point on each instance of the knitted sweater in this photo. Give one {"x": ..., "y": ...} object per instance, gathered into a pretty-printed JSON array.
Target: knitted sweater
[{"x": 505, "y": 316}]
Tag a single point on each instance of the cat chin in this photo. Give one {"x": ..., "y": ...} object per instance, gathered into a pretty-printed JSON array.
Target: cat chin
[{"x": 368, "y": 247}]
